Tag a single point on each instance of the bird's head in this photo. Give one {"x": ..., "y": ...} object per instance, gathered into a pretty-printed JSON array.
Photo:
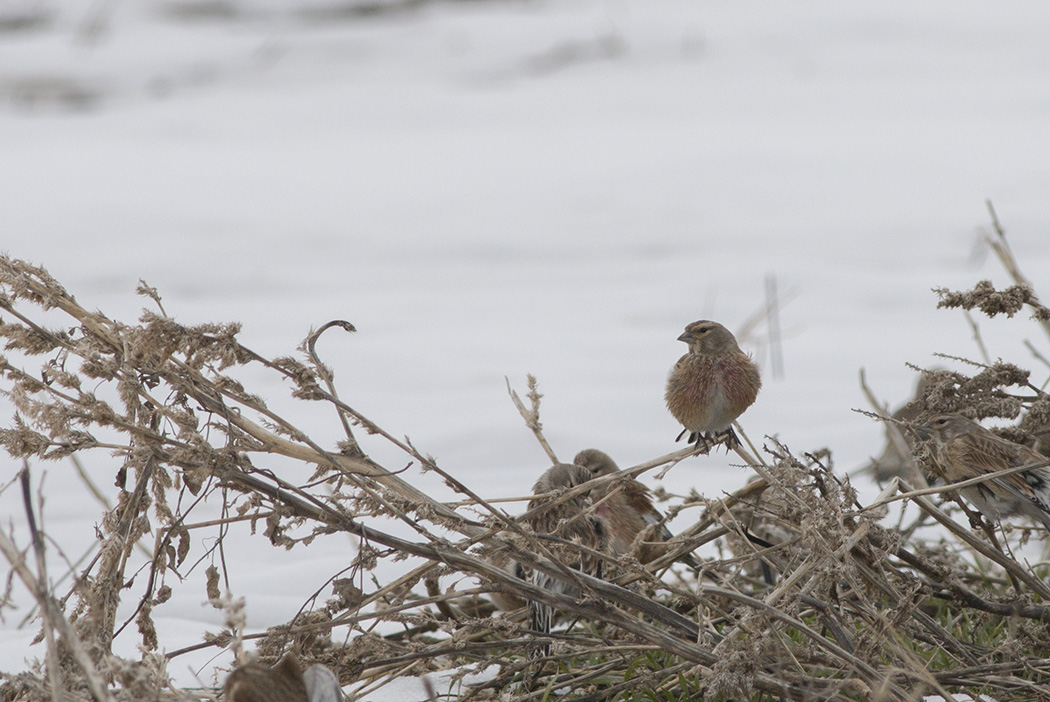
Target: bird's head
[
  {"x": 597, "y": 462},
  {"x": 708, "y": 338},
  {"x": 943, "y": 428},
  {"x": 561, "y": 476}
]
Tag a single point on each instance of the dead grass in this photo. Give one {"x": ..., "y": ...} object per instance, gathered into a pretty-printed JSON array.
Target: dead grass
[{"x": 809, "y": 594}]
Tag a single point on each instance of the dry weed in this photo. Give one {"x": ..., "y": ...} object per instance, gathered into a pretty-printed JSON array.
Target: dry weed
[{"x": 812, "y": 595}]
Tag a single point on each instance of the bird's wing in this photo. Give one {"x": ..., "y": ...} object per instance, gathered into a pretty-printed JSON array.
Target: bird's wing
[
  {"x": 980, "y": 455},
  {"x": 638, "y": 498}
]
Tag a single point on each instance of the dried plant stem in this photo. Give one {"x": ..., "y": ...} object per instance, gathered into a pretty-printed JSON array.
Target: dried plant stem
[
  {"x": 1001, "y": 248},
  {"x": 52, "y": 613},
  {"x": 325, "y": 373},
  {"x": 755, "y": 457},
  {"x": 37, "y": 539},
  {"x": 309, "y": 507},
  {"x": 887, "y": 496},
  {"x": 532, "y": 415},
  {"x": 893, "y": 431},
  {"x": 801, "y": 594},
  {"x": 977, "y": 337},
  {"x": 1009, "y": 565},
  {"x": 776, "y": 356}
]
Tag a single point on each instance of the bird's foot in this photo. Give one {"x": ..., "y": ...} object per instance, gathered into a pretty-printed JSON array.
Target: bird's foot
[
  {"x": 732, "y": 440},
  {"x": 703, "y": 445},
  {"x": 698, "y": 440},
  {"x": 704, "y": 441}
]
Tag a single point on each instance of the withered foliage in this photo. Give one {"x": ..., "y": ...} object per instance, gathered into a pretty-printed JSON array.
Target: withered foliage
[{"x": 806, "y": 593}]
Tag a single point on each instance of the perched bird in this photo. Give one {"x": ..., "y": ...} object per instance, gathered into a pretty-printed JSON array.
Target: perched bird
[
  {"x": 284, "y": 682},
  {"x": 893, "y": 461},
  {"x": 559, "y": 477},
  {"x": 963, "y": 449},
  {"x": 711, "y": 385},
  {"x": 571, "y": 522},
  {"x": 627, "y": 511}
]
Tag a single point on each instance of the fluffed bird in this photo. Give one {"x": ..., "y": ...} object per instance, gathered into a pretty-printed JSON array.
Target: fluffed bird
[
  {"x": 711, "y": 385},
  {"x": 570, "y": 521},
  {"x": 963, "y": 449},
  {"x": 627, "y": 509}
]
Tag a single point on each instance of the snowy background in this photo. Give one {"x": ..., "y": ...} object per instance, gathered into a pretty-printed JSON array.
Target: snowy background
[{"x": 490, "y": 189}]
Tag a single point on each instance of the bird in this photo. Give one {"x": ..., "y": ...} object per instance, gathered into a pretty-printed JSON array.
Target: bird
[
  {"x": 711, "y": 385},
  {"x": 558, "y": 477},
  {"x": 893, "y": 462},
  {"x": 627, "y": 510},
  {"x": 963, "y": 449},
  {"x": 284, "y": 682},
  {"x": 570, "y": 521}
]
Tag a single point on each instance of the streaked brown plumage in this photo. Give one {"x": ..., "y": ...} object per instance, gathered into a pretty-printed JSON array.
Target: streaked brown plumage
[
  {"x": 628, "y": 511},
  {"x": 254, "y": 682},
  {"x": 284, "y": 682},
  {"x": 554, "y": 520},
  {"x": 711, "y": 385},
  {"x": 569, "y": 521},
  {"x": 963, "y": 449},
  {"x": 562, "y": 519}
]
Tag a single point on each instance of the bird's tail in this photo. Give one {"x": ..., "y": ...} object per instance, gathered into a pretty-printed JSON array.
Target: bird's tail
[
  {"x": 686, "y": 559},
  {"x": 541, "y": 614}
]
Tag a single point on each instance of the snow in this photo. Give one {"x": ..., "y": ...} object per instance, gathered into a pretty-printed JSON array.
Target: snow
[{"x": 493, "y": 189}]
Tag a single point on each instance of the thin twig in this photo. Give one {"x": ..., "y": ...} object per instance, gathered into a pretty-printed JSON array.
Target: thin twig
[
  {"x": 532, "y": 416},
  {"x": 1001, "y": 248},
  {"x": 325, "y": 373},
  {"x": 976, "y": 330},
  {"x": 953, "y": 487},
  {"x": 53, "y": 614}
]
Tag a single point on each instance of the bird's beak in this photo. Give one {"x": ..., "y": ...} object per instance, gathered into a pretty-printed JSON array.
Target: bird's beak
[
  {"x": 922, "y": 432},
  {"x": 686, "y": 337}
]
